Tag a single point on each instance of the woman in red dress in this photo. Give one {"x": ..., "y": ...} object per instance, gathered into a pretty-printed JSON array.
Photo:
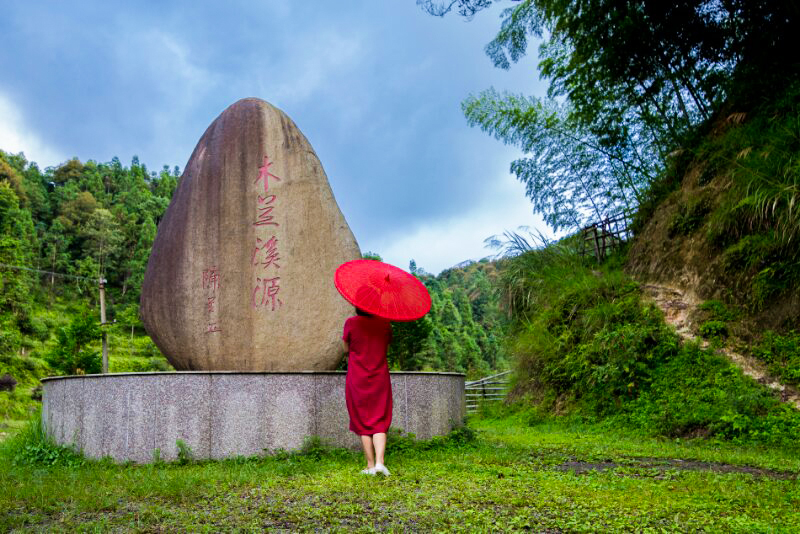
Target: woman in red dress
[{"x": 368, "y": 390}]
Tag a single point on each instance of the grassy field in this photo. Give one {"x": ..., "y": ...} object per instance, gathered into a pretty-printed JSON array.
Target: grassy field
[{"x": 510, "y": 476}]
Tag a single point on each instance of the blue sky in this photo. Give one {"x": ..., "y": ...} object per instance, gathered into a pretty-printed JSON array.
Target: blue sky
[{"x": 375, "y": 85}]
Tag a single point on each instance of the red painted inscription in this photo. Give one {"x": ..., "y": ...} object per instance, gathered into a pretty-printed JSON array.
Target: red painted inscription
[
  {"x": 264, "y": 211},
  {"x": 266, "y": 293},
  {"x": 264, "y": 174},
  {"x": 266, "y": 253},
  {"x": 211, "y": 279}
]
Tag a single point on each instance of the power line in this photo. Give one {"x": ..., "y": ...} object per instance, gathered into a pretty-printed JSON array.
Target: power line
[{"x": 18, "y": 267}]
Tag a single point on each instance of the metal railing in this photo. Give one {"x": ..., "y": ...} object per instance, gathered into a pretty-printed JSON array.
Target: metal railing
[{"x": 488, "y": 389}]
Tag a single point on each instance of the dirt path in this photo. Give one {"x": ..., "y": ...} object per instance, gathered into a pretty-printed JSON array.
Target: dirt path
[
  {"x": 661, "y": 467},
  {"x": 678, "y": 306}
]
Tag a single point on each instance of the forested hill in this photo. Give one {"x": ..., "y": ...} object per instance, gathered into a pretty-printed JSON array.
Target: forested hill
[
  {"x": 464, "y": 330},
  {"x": 84, "y": 220},
  {"x": 61, "y": 230}
]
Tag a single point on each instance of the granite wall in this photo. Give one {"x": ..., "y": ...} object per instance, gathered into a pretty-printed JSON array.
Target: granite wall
[{"x": 128, "y": 416}]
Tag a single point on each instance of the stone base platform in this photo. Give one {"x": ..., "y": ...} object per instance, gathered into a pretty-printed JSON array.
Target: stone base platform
[{"x": 221, "y": 414}]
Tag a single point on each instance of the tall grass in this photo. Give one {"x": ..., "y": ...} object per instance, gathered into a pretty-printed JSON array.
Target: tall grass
[
  {"x": 32, "y": 446},
  {"x": 521, "y": 292},
  {"x": 762, "y": 158}
]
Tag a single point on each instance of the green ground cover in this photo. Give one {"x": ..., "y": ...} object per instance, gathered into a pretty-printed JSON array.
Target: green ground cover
[{"x": 552, "y": 476}]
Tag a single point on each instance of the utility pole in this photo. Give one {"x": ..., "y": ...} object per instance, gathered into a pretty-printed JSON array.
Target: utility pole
[{"x": 103, "y": 323}]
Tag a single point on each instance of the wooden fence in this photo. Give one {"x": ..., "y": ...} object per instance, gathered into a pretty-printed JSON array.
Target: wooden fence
[
  {"x": 599, "y": 238},
  {"x": 488, "y": 389}
]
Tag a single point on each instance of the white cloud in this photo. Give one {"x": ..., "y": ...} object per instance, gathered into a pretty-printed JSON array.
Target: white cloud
[
  {"x": 16, "y": 136},
  {"x": 441, "y": 244}
]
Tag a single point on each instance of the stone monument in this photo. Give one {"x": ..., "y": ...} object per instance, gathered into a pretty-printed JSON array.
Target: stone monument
[
  {"x": 240, "y": 276},
  {"x": 239, "y": 295}
]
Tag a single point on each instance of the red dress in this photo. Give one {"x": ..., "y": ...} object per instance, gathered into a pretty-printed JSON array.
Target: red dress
[{"x": 368, "y": 390}]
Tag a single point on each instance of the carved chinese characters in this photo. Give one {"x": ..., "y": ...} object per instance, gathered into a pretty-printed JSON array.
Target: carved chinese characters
[
  {"x": 265, "y": 292},
  {"x": 210, "y": 286},
  {"x": 240, "y": 275}
]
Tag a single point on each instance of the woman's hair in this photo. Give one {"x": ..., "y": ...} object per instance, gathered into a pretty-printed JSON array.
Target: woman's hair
[{"x": 363, "y": 313}]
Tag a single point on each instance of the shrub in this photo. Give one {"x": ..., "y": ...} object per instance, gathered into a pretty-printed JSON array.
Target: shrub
[
  {"x": 31, "y": 446},
  {"x": 713, "y": 399},
  {"x": 10, "y": 340},
  {"x": 7, "y": 383},
  {"x": 717, "y": 310},
  {"x": 588, "y": 346},
  {"x": 781, "y": 353},
  {"x": 714, "y": 165},
  {"x": 119, "y": 364},
  {"x": 749, "y": 252},
  {"x": 316, "y": 448},
  {"x": 713, "y": 330},
  {"x": 72, "y": 353},
  {"x": 37, "y": 327},
  {"x": 596, "y": 343},
  {"x": 689, "y": 217},
  {"x": 185, "y": 454}
]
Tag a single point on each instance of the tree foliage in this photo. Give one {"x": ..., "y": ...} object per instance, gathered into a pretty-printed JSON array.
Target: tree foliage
[
  {"x": 16, "y": 237},
  {"x": 569, "y": 174},
  {"x": 72, "y": 354},
  {"x": 628, "y": 80},
  {"x": 78, "y": 219},
  {"x": 465, "y": 8},
  {"x": 461, "y": 332}
]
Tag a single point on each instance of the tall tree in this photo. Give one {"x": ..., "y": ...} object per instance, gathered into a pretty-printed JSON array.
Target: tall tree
[
  {"x": 406, "y": 351},
  {"x": 630, "y": 78},
  {"x": 103, "y": 237},
  {"x": 16, "y": 252},
  {"x": 570, "y": 175}
]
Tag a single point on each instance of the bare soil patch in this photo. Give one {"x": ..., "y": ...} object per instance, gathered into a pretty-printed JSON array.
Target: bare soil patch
[
  {"x": 662, "y": 465},
  {"x": 679, "y": 306}
]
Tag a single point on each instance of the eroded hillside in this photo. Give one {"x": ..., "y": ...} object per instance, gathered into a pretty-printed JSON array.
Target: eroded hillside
[
  {"x": 729, "y": 229},
  {"x": 723, "y": 236}
]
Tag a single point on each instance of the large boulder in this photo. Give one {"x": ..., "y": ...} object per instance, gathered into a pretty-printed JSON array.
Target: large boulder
[{"x": 241, "y": 272}]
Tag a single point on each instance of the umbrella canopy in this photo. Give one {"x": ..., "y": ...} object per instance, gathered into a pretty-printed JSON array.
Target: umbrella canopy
[{"x": 383, "y": 290}]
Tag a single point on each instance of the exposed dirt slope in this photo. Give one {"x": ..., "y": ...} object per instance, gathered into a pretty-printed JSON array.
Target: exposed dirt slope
[
  {"x": 696, "y": 240},
  {"x": 679, "y": 306}
]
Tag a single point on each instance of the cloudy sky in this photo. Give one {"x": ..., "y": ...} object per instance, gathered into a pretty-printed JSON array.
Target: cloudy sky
[{"x": 375, "y": 86}]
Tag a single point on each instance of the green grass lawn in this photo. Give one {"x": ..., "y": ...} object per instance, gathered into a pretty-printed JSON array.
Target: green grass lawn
[{"x": 549, "y": 477}]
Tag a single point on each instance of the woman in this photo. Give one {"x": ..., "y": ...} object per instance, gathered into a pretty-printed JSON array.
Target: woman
[{"x": 368, "y": 390}]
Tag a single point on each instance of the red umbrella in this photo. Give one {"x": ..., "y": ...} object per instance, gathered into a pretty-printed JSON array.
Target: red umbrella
[{"x": 383, "y": 290}]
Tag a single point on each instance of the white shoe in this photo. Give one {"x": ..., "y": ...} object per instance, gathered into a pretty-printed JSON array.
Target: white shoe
[
  {"x": 380, "y": 468},
  {"x": 368, "y": 471}
]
